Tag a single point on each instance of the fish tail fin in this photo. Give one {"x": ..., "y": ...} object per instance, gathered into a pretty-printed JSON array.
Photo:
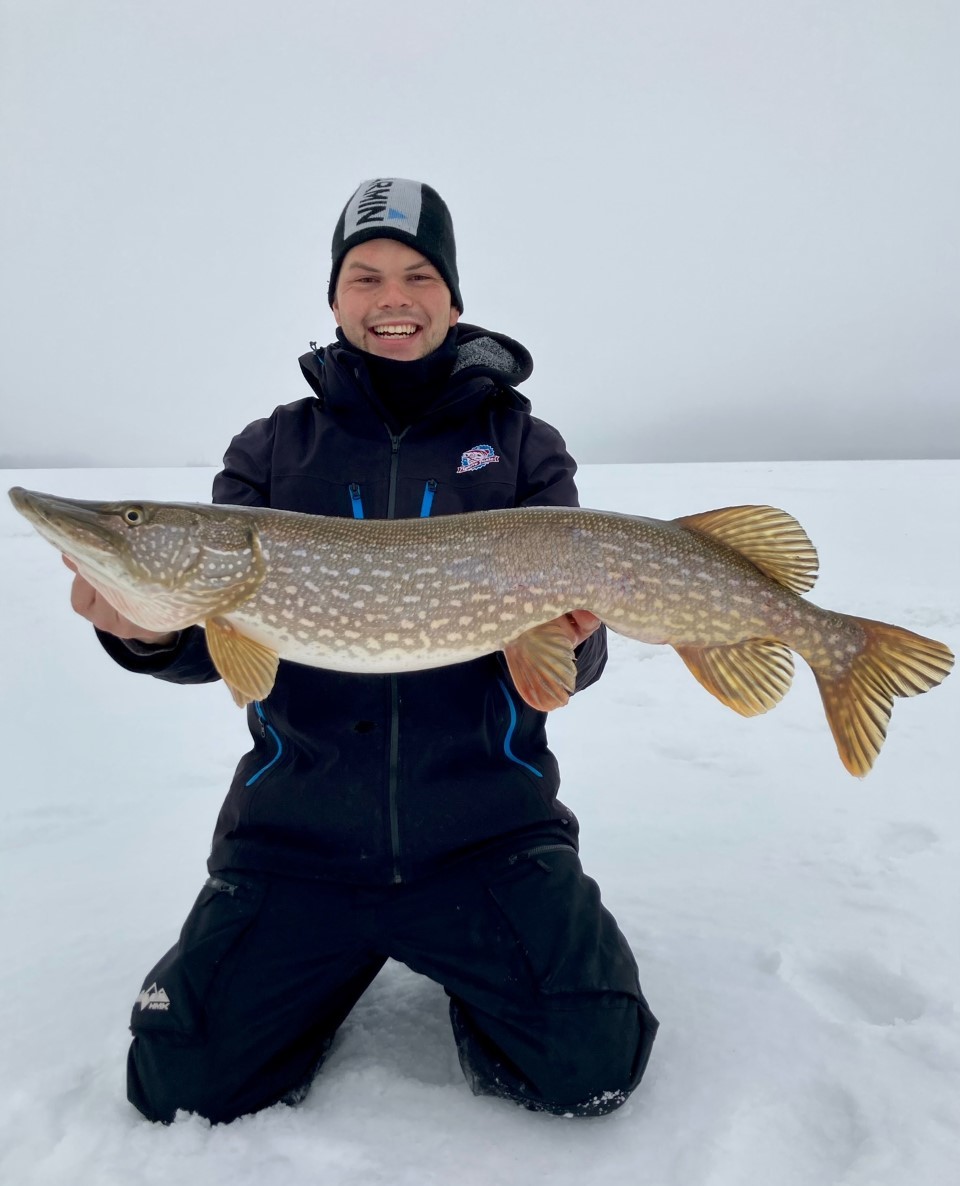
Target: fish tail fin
[{"x": 858, "y": 700}]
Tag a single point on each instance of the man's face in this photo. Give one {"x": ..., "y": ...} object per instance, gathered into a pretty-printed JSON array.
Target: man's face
[{"x": 391, "y": 301}]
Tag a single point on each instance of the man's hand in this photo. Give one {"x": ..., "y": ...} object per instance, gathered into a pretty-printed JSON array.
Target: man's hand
[
  {"x": 579, "y": 624},
  {"x": 91, "y": 605}
]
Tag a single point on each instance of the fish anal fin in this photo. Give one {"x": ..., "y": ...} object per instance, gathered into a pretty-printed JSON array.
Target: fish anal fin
[
  {"x": 542, "y": 666},
  {"x": 750, "y": 677},
  {"x": 769, "y": 538},
  {"x": 248, "y": 668}
]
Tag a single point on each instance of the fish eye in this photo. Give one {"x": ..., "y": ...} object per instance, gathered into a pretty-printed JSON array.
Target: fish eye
[{"x": 133, "y": 516}]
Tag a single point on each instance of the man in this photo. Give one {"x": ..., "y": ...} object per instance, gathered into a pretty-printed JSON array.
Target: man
[{"x": 409, "y": 816}]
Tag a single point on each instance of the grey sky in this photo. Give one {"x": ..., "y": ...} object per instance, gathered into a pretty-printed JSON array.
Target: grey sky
[{"x": 725, "y": 229}]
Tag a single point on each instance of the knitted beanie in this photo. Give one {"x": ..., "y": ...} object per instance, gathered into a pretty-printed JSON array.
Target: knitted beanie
[{"x": 408, "y": 211}]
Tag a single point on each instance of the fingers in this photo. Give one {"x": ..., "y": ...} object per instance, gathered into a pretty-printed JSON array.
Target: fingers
[
  {"x": 82, "y": 597},
  {"x": 578, "y": 625},
  {"x": 90, "y": 604},
  {"x": 582, "y": 624}
]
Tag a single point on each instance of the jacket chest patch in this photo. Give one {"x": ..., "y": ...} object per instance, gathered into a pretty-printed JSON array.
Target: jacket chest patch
[{"x": 476, "y": 458}]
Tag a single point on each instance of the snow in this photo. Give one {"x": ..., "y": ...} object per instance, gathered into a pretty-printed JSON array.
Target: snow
[{"x": 796, "y": 929}]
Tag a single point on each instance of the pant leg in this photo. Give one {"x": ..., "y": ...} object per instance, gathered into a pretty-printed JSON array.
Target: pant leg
[
  {"x": 240, "y": 1012},
  {"x": 546, "y": 1002}
]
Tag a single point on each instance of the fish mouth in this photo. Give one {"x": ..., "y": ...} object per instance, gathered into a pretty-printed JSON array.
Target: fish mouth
[{"x": 67, "y": 523}]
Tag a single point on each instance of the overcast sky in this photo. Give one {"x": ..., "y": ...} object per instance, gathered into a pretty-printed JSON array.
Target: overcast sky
[{"x": 726, "y": 229}]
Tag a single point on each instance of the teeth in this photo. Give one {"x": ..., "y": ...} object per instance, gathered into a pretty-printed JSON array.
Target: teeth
[{"x": 395, "y": 331}]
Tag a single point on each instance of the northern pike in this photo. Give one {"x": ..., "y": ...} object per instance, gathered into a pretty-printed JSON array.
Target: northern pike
[{"x": 723, "y": 588}]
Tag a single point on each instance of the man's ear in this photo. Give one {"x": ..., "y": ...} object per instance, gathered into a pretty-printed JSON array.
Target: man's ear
[
  {"x": 454, "y": 316},
  {"x": 335, "y": 309}
]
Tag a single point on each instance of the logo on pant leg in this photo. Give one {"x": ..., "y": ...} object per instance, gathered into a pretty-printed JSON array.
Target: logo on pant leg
[{"x": 153, "y": 998}]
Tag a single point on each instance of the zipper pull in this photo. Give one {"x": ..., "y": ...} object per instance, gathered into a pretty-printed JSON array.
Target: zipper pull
[{"x": 427, "y": 504}]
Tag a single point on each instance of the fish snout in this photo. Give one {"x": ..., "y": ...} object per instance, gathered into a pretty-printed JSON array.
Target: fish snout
[{"x": 27, "y": 502}]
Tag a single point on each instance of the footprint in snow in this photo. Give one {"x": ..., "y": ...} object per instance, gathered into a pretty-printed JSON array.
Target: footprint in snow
[
  {"x": 905, "y": 839},
  {"x": 853, "y": 986}
]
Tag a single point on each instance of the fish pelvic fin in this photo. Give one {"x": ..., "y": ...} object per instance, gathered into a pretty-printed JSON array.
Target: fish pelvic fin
[
  {"x": 750, "y": 677},
  {"x": 248, "y": 668},
  {"x": 542, "y": 666},
  {"x": 858, "y": 702},
  {"x": 769, "y": 538}
]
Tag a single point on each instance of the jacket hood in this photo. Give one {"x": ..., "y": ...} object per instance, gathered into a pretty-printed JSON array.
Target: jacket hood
[{"x": 481, "y": 353}]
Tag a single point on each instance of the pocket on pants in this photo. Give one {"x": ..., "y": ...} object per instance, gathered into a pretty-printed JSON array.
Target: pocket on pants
[
  {"x": 570, "y": 942},
  {"x": 180, "y": 990}
]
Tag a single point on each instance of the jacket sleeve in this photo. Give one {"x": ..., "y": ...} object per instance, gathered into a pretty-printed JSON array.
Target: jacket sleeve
[
  {"x": 546, "y": 479},
  {"x": 244, "y": 480}
]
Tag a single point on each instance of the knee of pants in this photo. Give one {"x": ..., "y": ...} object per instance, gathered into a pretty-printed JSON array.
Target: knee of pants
[
  {"x": 151, "y": 1086},
  {"x": 610, "y": 1062},
  {"x": 164, "y": 1078},
  {"x": 572, "y": 1064}
]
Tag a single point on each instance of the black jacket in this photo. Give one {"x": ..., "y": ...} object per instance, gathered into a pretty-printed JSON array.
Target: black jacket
[{"x": 373, "y": 779}]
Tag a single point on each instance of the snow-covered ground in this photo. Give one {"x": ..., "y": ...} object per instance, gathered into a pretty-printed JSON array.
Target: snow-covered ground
[{"x": 796, "y": 929}]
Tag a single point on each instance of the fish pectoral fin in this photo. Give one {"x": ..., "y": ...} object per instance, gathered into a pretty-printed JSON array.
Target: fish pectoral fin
[
  {"x": 542, "y": 666},
  {"x": 248, "y": 668},
  {"x": 750, "y": 677},
  {"x": 769, "y": 538}
]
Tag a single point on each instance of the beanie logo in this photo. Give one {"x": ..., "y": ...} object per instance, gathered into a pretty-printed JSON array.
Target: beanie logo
[
  {"x": 476, "y": 458},
  {"x": 382, "y": 200}
]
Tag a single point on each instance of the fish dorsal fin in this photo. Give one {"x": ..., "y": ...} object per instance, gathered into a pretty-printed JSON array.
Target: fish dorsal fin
[
  {"x": 749, "y": 677},
  {"x": 542, "y": 666},
  {"x": 769, "y": 538},
  {"x": 248, "y": 668}
]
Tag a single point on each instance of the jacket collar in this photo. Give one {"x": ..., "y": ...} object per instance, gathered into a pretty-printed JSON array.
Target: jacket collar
[{"x": 487, "y": 366}]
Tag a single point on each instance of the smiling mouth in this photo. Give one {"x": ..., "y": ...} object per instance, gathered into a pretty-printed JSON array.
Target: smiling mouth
[{"x": 395, "y": 331}]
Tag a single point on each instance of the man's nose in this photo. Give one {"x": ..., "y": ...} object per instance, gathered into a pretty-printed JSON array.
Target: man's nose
[{"x": 393, "y": 293}]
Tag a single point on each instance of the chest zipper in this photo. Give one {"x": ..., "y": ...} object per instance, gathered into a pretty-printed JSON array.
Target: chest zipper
[{"x": 393, "y": 786}]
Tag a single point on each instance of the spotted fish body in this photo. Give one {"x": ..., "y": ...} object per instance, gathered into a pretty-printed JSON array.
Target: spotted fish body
[
  {"x": 400, "y": 595},
  {"x": 376, "y": 596}
]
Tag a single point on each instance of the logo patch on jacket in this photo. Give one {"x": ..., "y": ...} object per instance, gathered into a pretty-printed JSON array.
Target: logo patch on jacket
[
  {"x": 153, "y": 997},
  {"x": 477, "y": 458}
]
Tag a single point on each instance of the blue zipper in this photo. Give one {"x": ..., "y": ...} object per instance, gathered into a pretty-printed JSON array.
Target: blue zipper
[
  {"x": 428, "y": 492},
  {"x": 511, "y": 728},
  {"x": 264, "y": 730},
  {"x": 356, "y": 500}
]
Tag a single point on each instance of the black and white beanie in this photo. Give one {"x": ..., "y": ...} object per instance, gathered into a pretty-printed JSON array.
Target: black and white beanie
[{"x": 408, "y": 211}]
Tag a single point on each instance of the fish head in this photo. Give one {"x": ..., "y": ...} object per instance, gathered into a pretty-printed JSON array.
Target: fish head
[{"x": 163, "y": 565}]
